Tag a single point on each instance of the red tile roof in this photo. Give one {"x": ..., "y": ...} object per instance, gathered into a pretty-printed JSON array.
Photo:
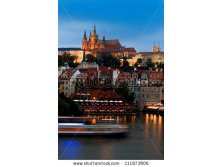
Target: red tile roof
[
  {"x": 104, "y": 71},
  {"x": 123, "y": 76},
  {"x": 102, "y": 94},
  {"x": 66, "y": 75},
  {"x": 156, "y": 75}
]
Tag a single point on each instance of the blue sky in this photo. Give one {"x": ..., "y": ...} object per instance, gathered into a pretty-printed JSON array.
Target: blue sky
[{"x": 136, "y": 23}]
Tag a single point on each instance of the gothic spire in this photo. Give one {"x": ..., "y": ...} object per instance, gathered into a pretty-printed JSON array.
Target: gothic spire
[
  {"x": 84, "y": 57},
  {"x": 158, "y": 48},
  {"x": 154, "y": 47},
  {"x": 94, "y": 29},
  {"x": 85, "y": 36},
  {"x": 103, "y": 36}
]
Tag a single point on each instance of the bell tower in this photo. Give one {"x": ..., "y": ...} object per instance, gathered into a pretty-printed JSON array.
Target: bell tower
[
  {"x": 84, "y": 41},
  {"x": 93, "y": 38},
  {"x": 154, "y": 49}
]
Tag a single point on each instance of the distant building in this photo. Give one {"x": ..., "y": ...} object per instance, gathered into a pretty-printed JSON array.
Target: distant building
[
  {"x": 156, "y": 78},
  {"x": 150, "y": 94},
  {"x": 97, "y": 45},
  {"x": 129, "y": 52},
  {"x": 85, "y": 64},
  {"x": 102, "y": 101},
  {"x": 123, "y": 77},
  {"x": 65, "y": 81},
  {"x": 138, "y": 78},
  {"x": 73, "y": 52},
  {"x": 61, "y": 70},
  {"x": 156, "y": 56},
  {"x": 108, "y": 74}
]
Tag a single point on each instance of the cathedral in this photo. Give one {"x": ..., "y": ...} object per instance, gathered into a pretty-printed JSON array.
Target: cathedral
[{"x": 100, "y": 45}]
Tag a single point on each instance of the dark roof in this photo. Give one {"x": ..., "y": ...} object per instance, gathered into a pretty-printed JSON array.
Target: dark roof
[
  {"x": 109, "y": 42},
  {"x": 150, "y": 53},
  {"x": 129, "y": 50},
  {"x": 68, "y": 49},
  {"x": 112, "y": 42},
  {"x": 101, "y": 94}
]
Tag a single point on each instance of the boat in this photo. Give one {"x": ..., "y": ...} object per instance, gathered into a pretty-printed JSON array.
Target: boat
[
  {"x": 161, "y": 110},
  {"x": 154, "y": 108},
  {"x": 92, "y": 129}
]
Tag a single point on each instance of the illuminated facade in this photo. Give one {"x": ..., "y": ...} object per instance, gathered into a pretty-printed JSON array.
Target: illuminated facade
[{"x": 100, "y": 45}]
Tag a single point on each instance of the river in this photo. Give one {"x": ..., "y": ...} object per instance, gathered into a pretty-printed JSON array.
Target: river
[{"x": 144, "y": 142}]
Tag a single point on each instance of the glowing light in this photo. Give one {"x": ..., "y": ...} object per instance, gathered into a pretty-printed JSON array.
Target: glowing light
[
  {"x": 108, "y": 119},
  {"x": 69, "y": 124}
]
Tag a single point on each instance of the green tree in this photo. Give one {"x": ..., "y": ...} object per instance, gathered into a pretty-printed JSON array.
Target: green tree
[
  {"x": 91, "y": 58},
  {"x": 125, "y": 92},
  {"x": 67, "y": 58},
  {"x": 106, "y": 59},
  {"x": 67, "y": 107},
  {"x": 149, "y": 63},
  {"x": 60, "y": 61},
  {"x": 161, "y": 65},
  {"x": 125, "y": 63},
  {"x": 139, "y": 61}
]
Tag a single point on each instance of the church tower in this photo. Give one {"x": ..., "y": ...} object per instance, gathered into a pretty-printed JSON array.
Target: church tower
[
  {"x": 158, "y": 48},
  {"x": 84, "y": 41},
  {"x": 93, "y": 38},
  {"x": 154, "y": 49}
]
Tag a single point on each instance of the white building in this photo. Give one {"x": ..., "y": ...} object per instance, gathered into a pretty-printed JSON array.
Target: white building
[
  {"x": 150, "y": 94},
  {"x": 66, "y": 82}
]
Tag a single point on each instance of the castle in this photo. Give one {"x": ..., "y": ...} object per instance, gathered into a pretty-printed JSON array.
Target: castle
[{"x": 100, "y": 45}]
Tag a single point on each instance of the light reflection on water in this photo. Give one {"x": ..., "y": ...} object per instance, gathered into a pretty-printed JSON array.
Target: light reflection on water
[
  {"x": 66, "y": 146},
  {"x": 145, "y": 141}
]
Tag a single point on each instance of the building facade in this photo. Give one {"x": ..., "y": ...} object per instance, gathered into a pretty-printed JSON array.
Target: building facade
[
  {"x": 66, "y": 84},
  {"x": 150, "y": 94},
  {"x": 100, "y": 45}
]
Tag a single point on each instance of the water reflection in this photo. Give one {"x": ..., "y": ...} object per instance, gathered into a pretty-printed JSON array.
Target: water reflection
[
  {"x": 106, "y": 152},
  {"x": 69, "y": 148},
  {"x": 145, "y": 140}
]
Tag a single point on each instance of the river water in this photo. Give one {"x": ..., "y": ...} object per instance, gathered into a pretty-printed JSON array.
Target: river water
[{"x": 144, "y": 142}]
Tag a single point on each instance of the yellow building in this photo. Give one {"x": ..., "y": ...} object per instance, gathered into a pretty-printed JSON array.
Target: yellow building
[
  {"x": 156, "y": 55},
  {"x": 74, "y": 52},
  {"x": 96, "y": 45}
]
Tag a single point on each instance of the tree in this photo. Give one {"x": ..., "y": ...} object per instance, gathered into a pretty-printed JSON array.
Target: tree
[
  {"x": 125, "y": 92},
  {"x": 161, "y": 65},
  {"x": 125, "y": 63},
  {"x": 67, "y": 58},
  {"x": 149, "y": 63},
  {"x": 91, "y": 58},
  {"x": 67, "y": 107},
  {"x": 106, "y": 59},
  {"x": 139, "y": 61},
  {"x": 60, "y": 61}
]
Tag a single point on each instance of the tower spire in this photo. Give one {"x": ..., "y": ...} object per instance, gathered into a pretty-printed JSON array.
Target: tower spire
[
  {"x": 84, "y": 57},
  {"x": 158, "y": 48},
  {"x": 154, "y": 47},
  {"x": 104, "y": 36},
  {"x": 85, "y": 36},
  {"x": 94, "y": 29}
]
